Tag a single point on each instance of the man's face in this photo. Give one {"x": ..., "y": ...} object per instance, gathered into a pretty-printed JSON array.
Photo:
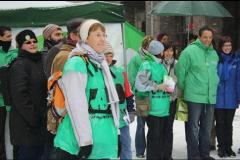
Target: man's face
[
  {"x": 7, "y": 36},
  {"x": 74, "y": 36},
  {"x": 206, "y": 38},
  {"x": 57, "y": 35}
]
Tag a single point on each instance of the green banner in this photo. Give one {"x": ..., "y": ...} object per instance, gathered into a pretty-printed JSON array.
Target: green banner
[{"x": 133, "y": 37}]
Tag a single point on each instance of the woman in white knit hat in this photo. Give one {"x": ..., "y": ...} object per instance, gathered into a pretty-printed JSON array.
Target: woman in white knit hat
[{"x": 90, "y": 129}]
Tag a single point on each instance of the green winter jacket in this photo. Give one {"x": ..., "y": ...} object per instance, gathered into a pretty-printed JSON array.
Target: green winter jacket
[
  {"x": 6, "y": 58},
  {"x": 196, "y": 71}
]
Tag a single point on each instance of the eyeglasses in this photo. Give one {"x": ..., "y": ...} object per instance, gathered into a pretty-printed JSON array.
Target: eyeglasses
[
  {"x": 30, "y": 42},
  {"x": 99, "y": 35},
  {"x": 227, "y": 45}
]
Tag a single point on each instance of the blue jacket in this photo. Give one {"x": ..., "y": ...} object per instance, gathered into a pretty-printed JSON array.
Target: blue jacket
[{"x": 228, "y": 91}]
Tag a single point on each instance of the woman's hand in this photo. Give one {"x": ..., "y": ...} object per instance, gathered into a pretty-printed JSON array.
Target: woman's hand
[{"x": 162, "y": 87}]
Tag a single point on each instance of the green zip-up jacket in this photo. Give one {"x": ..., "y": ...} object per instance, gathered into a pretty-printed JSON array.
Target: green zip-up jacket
[
  {"x": 6, "y": 58},
  {"x": 196, "y": 71}
]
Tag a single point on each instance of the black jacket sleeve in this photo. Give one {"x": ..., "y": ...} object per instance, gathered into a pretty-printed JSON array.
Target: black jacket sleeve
[{"x": 21, "y": 98}]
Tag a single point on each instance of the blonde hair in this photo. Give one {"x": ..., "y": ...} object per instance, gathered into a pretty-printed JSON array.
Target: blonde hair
[{"x": 146, "y": 41}]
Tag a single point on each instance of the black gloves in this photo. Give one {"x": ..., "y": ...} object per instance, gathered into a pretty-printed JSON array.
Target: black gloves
[
  {"x": 84, "y": 152},
  {"x": 119, "y": 146}
]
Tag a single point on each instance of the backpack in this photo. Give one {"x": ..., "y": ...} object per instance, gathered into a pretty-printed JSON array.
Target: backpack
[
  {"x": 5, "y": 83},
  {"x": 56, "y": 101}
]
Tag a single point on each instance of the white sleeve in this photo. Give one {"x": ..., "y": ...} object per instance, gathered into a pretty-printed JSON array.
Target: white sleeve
[
  {"x": 73, "y": 85},
  {"x": 143, "y": 82}
]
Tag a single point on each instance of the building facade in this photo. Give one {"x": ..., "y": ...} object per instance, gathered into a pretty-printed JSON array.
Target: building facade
[{"x": 138, "y": 14}]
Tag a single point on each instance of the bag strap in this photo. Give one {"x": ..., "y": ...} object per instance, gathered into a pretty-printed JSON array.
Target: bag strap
[{"x": 53, "y": 80}]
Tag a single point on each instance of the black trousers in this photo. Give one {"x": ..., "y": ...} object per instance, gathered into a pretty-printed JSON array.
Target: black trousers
[
  {"x": 30, "y": 152},
  {"x": 156, "y": 136},
  {"x": 3, "y": 114},
  {"x": 224, "y": 128},
  {"x": 169, "y": 137},
  {"x": 49, "y": 147},
  {"x": 59, "y": 154}
]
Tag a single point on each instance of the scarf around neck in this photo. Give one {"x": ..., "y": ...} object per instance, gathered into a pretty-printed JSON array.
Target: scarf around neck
[
  {"x": 99, "y": 59},
  {"x": 168, "y": 61}
]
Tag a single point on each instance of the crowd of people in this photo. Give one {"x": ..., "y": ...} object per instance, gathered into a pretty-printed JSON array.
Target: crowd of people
[{"x": 71, "y": 101}]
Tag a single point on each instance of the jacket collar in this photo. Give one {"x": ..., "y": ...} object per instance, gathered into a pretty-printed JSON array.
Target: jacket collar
[
  {"x": 67, "y": 47},
  {"x": 151, "y": 58},
  {"x": 35, "y": 57},
  {"x": 201, "y": 45},
  {"x": 113, "y": 62}
]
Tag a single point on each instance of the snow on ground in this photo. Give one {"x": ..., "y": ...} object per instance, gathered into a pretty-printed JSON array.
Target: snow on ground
[{"x": 179, "y": 143}]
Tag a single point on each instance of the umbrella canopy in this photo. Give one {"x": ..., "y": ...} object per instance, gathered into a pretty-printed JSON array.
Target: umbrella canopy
[
  {"x": 190, "y": 8},
  {"x": 41, "y": 13}
]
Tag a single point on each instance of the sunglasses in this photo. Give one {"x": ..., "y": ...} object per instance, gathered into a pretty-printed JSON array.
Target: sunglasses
[{"x": 30, "y": 42}]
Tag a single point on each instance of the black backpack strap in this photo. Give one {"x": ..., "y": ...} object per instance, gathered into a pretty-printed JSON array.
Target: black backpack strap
[{"x": 113, "y": 75}]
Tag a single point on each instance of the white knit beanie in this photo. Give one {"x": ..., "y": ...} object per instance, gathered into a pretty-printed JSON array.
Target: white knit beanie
[{"x": 85, "y": 26}]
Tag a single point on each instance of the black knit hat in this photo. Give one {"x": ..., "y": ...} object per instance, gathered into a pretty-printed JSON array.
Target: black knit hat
[
  {"x": 73, "y": 24},
  {"x": 24, "y": 36}
]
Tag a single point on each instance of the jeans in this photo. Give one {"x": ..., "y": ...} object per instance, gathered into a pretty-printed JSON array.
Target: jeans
[
  {"x": 30, "y": 152},
  {"x": 125, "y": 139},
  {"x": 3, "y": 114},
  {"x": 224, "y": 128},
  {"x": 140, "y": 140},
  {"x": 199, "y": 126}
]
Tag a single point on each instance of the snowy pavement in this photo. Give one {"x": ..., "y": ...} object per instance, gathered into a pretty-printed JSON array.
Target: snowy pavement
[{"x": 179, "y": 143}]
